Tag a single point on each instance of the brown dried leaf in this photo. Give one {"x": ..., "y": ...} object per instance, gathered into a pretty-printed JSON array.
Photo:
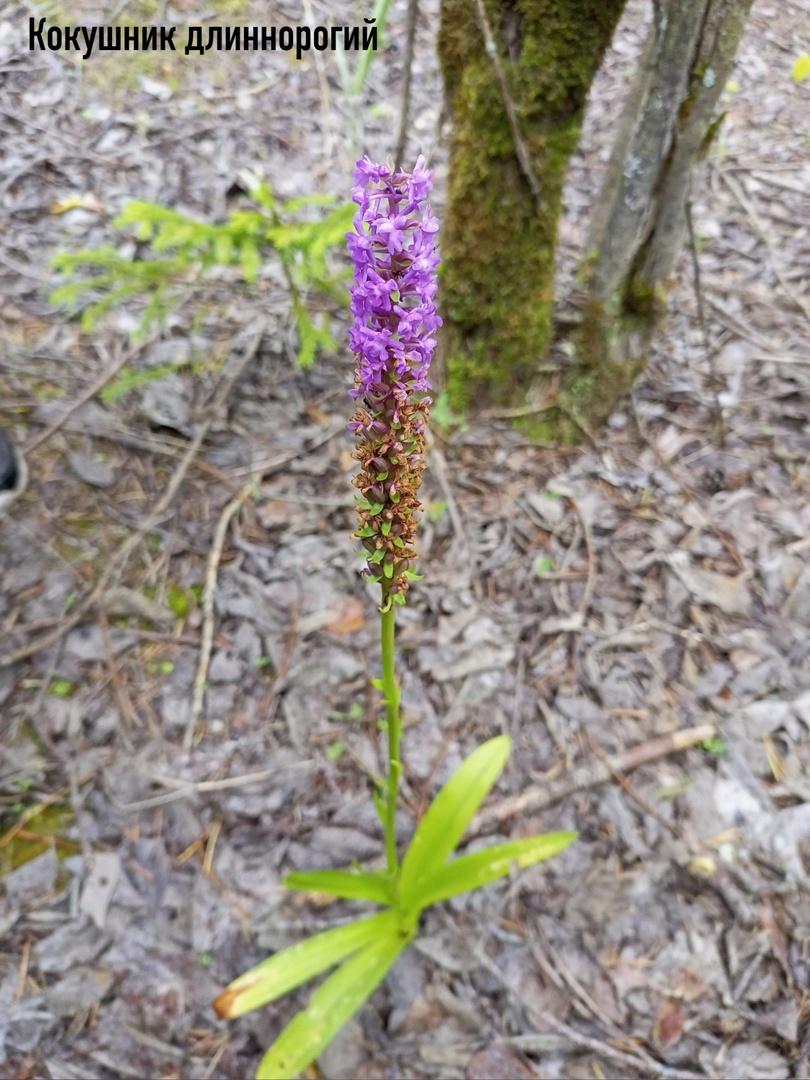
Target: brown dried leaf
[{"x": 669, "y": 1021}]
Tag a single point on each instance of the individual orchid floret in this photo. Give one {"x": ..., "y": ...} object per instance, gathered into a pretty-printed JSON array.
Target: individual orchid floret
[{"x": 394, "y": 321}]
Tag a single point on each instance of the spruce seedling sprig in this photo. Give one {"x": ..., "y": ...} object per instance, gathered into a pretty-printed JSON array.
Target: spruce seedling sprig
[{"x": 395, "y": 263}]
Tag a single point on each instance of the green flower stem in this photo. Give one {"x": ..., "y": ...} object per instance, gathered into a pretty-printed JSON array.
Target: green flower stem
[{"x": 391, "y": 692}]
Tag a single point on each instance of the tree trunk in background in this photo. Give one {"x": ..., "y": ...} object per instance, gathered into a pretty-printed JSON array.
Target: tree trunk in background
[
  {"x": 639, "y": 224},
  {"x": 517, "y": 108}
]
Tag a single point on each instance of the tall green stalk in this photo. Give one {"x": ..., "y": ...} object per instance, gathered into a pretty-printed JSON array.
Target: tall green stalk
[{"x": 394, "y": 723}]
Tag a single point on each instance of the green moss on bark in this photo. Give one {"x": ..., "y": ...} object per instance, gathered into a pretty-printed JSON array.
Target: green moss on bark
[{"x": 498, "y": 243}]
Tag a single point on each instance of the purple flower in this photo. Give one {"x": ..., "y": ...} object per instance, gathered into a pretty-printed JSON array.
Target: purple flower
[
  {"x": 395, "y": 263},
  {"x": 395, "y": 317}
]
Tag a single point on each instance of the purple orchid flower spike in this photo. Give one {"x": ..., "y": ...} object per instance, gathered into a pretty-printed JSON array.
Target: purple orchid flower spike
[{"x": 395, "y": 317}]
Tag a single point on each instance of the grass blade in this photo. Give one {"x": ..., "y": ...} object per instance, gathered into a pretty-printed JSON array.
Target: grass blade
[
  {"x": 470, "y": 872},
  {"x": 289, "y": 968},
  {"x": 311, "y": 1030},
  {"x": 345, "y": 884},
  {"x": 450, "y": 813}
]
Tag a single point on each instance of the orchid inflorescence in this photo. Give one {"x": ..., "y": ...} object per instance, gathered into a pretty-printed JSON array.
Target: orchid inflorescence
[{"x": 395, "y": 317}]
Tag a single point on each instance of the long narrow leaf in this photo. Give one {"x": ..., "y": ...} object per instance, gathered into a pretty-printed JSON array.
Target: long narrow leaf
[
  {"x": 450, "y": 813},
  {"x": 311, "y": 1030},
  {"x": 472, "y": 871},
  {"x": 381, "y": 10},
  {"x": 344, "y": 883},
  {"x": 289, "y": 968}
]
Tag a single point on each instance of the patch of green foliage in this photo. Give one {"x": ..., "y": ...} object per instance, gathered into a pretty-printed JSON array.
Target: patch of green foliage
[{"x": 183, "y": 252}]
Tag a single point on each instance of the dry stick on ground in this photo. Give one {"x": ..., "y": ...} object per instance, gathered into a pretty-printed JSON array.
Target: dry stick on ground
[
  {"x": 260, "y": 469},
  {"x": 210, "y": 589},
  {"x": 652, "y": 443},
  {"x": 404, "y": 114},
  {"x": 558, "y": 589},
  {"x": 715, "y": 381},
  {"x": 590, "y": 582},
  {"x": 119, "y": 557},
  {"x": 587, "y": 776},
  {"x": 186, "y": 788},
  {"x": 696, "y": 285},
  {"x": 734, "y": 323},
  {"x": 762, "y": 230},
  {"x": 557, "y": 972},
  {"x": 125, "y": 706},
  {"x": 521, "y": 149},
  {"x": 438, "y": 465},
  {"x": 83, "y": 398},
  {"x": 142, "y": 442},
  {"x": 635, "y": 795},
  {"x": 640, "y": 1061}
]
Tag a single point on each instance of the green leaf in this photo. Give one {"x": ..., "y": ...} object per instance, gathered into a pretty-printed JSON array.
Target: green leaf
[
  {"x": 311, "y": 1030},
  {"x": 473, "y": 871},
  {"x": 442, "y": 414},
  {"x": 336, "y": 750},
  {"x": 289, "y": 968},
  {"x": 251, "y": 261},
  {"x": 714, "y": 745},
  {"x": 436, "y": 510},
  {"x": 178, "y": 600},
  {"x": 448, "y": 816},
  {"x": 381, "y": 807},
  {"x": 344, "y": 883},
  {"x": 61, "y": 688}
]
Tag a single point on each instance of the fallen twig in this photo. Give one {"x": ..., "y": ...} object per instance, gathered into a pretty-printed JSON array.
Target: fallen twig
[
  {"x": 635, "y": 795},
  {"x": 119, "y": 557},
  {"x": 438, "y": 464},
  {"x": 736, "y": 189},
  {"x": 82, "y": 399},
  {"x": 590, "y": 582},
  {"x": 207, "y": 636},
  {"x": 588, "y": 776},
  {"x": 639, "y": 1060},
  {"x": 125, "y": 706},
  {"x": 186, "y": 788}
]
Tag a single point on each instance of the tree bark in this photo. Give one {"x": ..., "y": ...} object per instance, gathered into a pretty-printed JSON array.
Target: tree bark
[
  {"x": 517, "y": 73},
  {"x": 641, "y": 215}
]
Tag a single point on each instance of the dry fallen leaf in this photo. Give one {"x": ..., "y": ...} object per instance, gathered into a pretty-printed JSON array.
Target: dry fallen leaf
[
  {"x": 349, "y": 615},
  {"x": 729, "y": 594},
  {"x": 669, "y": 1021}
]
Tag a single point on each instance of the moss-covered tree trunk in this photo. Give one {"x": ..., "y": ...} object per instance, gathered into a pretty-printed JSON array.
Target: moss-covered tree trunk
[
  {"x": 517, "y": 73},
  {"x": 640, "y": 221}
]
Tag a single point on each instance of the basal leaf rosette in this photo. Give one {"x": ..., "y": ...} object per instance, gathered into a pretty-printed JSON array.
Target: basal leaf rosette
[{"x": 394, "y": 319}]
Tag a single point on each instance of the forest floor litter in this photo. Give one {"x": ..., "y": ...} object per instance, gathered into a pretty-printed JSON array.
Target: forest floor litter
[{"x": 634, "y": 612}]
